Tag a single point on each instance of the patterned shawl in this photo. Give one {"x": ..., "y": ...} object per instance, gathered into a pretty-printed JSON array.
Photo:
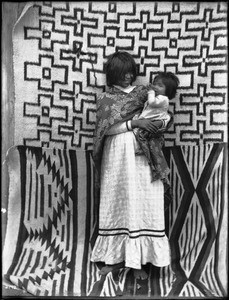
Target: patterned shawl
[{"x": 114, "y": 106}]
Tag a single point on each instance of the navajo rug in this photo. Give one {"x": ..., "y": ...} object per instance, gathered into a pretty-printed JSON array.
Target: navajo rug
[
  {"x": 52, "y": 214},
  {"x": 59, "y": 53}
]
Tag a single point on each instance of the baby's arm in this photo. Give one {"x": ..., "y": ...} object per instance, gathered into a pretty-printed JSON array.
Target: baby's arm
[
  {"x": 159, "y": 101},
  {"x": 166, "y": 122}
]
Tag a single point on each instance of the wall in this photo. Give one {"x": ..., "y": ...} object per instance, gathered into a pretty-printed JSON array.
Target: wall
[{"x": 10, "y": 13}]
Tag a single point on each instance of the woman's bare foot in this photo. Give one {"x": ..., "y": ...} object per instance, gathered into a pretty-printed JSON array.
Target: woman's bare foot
[
  {"x": 140, "y": 274},
  {"x": 109, "y": 268}
]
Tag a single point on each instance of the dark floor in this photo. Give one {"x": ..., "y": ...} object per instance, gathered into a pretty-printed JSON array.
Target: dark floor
[{"x": 11, "y": 292}]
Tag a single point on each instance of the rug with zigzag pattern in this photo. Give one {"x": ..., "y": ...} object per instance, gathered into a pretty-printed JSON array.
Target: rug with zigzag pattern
[{"x": 52, "y": 214}]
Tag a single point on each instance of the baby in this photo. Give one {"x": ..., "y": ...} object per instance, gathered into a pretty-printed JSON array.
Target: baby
[{"x": 163, "y": 89}]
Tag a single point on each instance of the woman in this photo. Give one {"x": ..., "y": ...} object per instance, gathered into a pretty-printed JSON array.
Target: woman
[{"x": 131, "y": 212}]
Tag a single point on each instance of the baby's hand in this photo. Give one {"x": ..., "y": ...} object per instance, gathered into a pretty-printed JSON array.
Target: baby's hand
[{"x": 151, "y": 95}]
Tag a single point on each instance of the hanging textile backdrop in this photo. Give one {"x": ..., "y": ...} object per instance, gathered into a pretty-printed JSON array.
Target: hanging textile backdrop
[
  {"x": 52, "y": 216},
  {"x": 59, "y": 53}
]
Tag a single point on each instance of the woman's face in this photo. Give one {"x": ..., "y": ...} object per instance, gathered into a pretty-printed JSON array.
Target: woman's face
[
  {"x": 159, "y": 87},
  {"x": 126, "y": 80}
]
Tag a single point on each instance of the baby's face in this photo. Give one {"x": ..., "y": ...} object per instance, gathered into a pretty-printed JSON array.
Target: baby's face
[{"x": 159, "y": 87}]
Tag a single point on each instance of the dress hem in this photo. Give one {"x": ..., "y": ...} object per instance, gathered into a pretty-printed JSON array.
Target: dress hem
[{"x": 128, "y": 266}]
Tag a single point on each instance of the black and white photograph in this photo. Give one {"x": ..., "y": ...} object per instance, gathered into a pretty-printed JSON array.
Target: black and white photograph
[{"x": 114, "y": 150}]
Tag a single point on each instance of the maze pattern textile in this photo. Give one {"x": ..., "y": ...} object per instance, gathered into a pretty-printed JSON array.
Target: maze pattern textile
[
  {"x": 59, "y": 53},
  {"x": 51, "y": 216}
]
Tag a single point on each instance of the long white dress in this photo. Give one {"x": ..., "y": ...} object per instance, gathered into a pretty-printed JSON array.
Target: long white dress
[{"x": 131, "y": 215}]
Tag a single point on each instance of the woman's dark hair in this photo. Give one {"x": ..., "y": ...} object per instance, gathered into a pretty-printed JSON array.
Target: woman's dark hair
[
  {"x": 119, "y": 64},
  {"x": 170, "y": 81}
]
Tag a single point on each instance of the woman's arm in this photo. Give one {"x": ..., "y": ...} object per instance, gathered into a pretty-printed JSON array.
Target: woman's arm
[
  {"x": 150, "y": 125},
  {"x": 153, "y": 126},
  {"x": 120, "y": 127}
]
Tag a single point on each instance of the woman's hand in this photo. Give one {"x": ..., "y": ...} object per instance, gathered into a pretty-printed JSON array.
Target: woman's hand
[{"x": 150, "y": 125}]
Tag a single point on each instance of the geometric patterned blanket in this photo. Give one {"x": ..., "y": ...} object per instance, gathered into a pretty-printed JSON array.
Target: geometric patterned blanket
[
  {"x": 52, "y": 215},
  {"x": 59, "y": 51}
]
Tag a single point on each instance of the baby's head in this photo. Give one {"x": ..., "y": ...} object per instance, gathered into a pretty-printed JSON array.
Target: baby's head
[{"x": 170, "y": 81}]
